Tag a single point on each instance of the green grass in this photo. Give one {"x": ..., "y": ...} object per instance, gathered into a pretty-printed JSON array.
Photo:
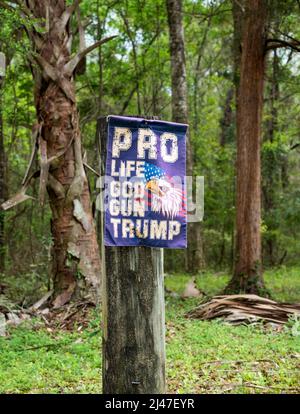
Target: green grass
[
  {"x": 50, "y": 362},
  {"x": 284, "y": 283},
  {"x": 202, "y": 357},
  {"x": 214, "y": 357}
]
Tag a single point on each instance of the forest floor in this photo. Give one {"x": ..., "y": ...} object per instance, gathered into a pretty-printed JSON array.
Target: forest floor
[{"x": 202, "y": 357}]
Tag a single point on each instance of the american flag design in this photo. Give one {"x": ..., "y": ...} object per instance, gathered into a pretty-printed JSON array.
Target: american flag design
[{"x": 166, "y": 197}]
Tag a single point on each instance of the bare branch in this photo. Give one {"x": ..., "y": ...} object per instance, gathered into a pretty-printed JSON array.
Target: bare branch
[
  {"x": 91, "y": 169},
  {"x": 15, "y": 200},
  {"x": 65, "y": 17},
  {"x": 44, "y": 170},
  {"x": 21, "y": 196},
  {"x": 35, "y": 134},
  {"x": 82, "y": 44},
  {"x": 48, "y": 69},
  {"x": 69, "y": 42},
  {"x": 67, "y": 88},
  {"x": 294, "y": 146},
  {"x": 279, "y": 43},
  {"x": 289, "y": 37},
  {"x": 72, "y": 64}
]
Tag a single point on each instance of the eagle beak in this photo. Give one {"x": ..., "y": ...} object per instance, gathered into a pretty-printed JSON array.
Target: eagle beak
[{"x": 154, "y": 188}]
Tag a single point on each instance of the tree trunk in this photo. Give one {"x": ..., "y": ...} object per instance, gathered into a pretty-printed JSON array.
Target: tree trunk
[
  {"x": 194, "y": 254},
  {"x": 2, "y": 185},
  {"x": 76, "y": 263},
  {"x": 270, "y": 166},
  {"x": 248, "y": 270},
  {"x": 227, "y": 121}
]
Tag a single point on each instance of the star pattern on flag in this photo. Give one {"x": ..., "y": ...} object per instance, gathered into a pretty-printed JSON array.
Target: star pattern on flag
[{"x": 153, "y": 172}]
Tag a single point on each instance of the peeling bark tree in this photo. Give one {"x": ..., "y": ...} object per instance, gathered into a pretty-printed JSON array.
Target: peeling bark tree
[
  {"x": 195, "y": 257},
  {"x": 248, "y": 270},
  {"x": 76, "y": 263}
]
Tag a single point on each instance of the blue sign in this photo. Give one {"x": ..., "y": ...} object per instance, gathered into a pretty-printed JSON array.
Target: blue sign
[{"x": 145, "y": 188}]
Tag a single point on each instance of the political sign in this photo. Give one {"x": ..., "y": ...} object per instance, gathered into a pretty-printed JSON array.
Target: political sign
[{"x": 145, "y": 187}]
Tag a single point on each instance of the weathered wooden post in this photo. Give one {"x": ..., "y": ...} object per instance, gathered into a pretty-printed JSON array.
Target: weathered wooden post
[{"x": 133, "y": 313}]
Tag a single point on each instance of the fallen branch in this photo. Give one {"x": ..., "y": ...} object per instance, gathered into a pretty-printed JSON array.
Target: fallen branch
[
  {"x": 250, "y": 385},
  {"x": 224, "y": 362}
]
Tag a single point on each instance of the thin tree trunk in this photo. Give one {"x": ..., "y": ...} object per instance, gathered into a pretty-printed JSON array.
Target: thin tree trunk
[
  {"x": 194, "y": 257},
  {"x": 269, "y": 161},
  {"x": 2, "y": 184},
  {"x": 227, "y": 119},
  {"x": 247, "y": 275},
  {"x": 100, "y": 60},
  {"x": 238, "y": 14},
  {"x": 132, "y": 40},
  {"x": 76, "y": 263},
  {"x": 197, "y": 75}
]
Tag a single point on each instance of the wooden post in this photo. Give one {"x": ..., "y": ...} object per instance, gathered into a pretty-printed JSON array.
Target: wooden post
[{"x": 133, "y": 314}]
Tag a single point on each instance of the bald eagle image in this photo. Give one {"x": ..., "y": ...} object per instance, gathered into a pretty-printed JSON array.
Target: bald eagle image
[{"x": 166, "y": 199}]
